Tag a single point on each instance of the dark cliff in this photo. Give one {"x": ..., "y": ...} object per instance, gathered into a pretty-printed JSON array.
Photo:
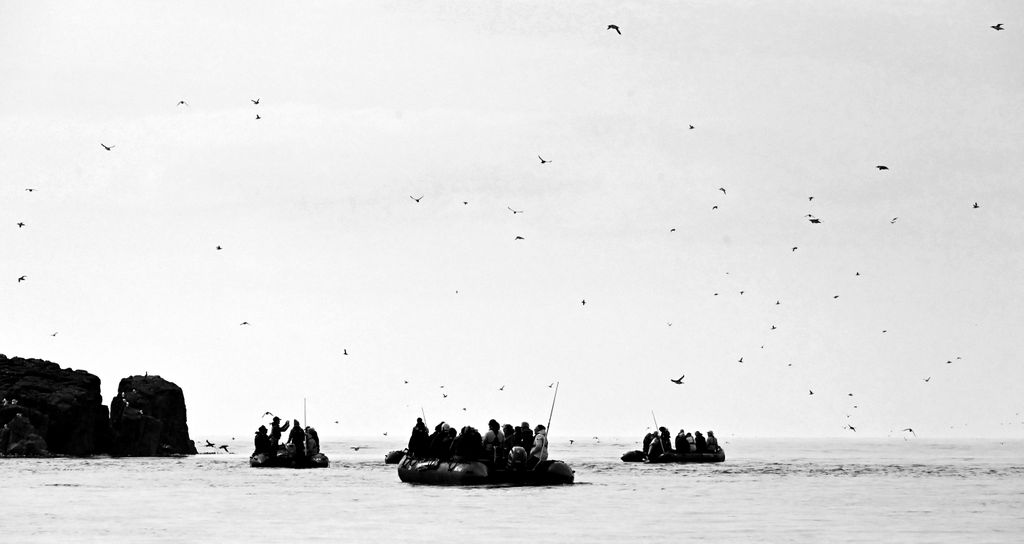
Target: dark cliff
[
  {"x": 148, "y": 417},
  {"x": 63, "y": 406}
]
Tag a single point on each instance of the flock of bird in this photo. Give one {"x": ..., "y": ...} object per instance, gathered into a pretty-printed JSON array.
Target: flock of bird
[{"x": 812, "y": 219}]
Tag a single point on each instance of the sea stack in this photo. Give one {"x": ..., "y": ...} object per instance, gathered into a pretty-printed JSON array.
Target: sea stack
[
  {"x": 148, "y": 418},
  {"x": 61, "y": 409}
]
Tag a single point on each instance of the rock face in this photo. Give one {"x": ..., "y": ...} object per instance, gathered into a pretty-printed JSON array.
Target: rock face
[
  {"x": 62, "y": 407},
  {"x": 147, "y": 418}
]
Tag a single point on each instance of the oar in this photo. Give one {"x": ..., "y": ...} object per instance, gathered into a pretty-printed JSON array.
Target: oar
[{"x": 552, "y": 411}]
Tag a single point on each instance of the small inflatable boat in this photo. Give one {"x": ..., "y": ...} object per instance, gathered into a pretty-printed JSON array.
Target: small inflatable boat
[
  {"x": 286, "y": 459},
  {"x": 465, "y": 472},
  {"x": 638, "y": 456}
]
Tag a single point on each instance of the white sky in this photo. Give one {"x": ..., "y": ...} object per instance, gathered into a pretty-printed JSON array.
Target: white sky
[{"x": 364, "y": 105}]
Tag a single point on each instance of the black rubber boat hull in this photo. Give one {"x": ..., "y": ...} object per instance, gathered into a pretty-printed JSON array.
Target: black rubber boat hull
[
  {"x": 394, "y": 457},
  {"x": 638, "y": 456},
  {"x": 435, "y": 472},
  {"x": 285, "y": 461}
]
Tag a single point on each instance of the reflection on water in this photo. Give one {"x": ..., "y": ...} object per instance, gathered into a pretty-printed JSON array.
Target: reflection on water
[{"x": 767, "y": 490}]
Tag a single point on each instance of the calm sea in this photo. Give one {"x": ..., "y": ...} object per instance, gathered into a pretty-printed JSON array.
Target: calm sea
[{"x": 766, "y": 491}]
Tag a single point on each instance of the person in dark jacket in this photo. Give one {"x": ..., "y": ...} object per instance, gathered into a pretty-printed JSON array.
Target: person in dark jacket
[
  {"x": 276, "y": 430},
  {"x": 437, "y": 440},
  {"x": 447, "y": 439},
  {"x": 666, "y": 439},
  {"x": 262, "y": 442},
  {"x": 419, "y": 442},
  {"x": 655, "y": 450},
  {"x": 297, "y": 438},
  {"x": 647, "y": 441},
  {"x": 525, "y": 436},
  {"x": 701, "y": 442},
  {"x": 681, "y": 442}
]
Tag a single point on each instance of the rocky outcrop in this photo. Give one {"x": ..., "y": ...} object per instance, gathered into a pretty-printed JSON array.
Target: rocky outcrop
[
  {"x": 63, "y": 407},
  {"x": 148, "y": 417},
  {"x": 19, "y": 438}
]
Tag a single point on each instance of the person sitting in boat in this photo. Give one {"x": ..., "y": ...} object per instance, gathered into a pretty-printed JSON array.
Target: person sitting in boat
[
  {"x": 262, "y": 442},
  {"x": 419, "y": 442},
  {"x": 468, "y": 444},
  {"x": 666, "y": 439},
  {"x": 525, "y": 436},
  {"x": 539, "y": 453},
  {"x": 681, "y": 442},
  {"x": 509, "y": 433},
  {"x": 712, "y": 442},
  {"x": 648, "y": 438},
  {"x": 691, "y": 443},
  {"x": 447, "y": 441},
  {"x": 297, "y": 439},
  {"x": 494, "y": 441},
  {"x": 437, "y": 439},
  {"x": 312, "y": 442},
  {"x": 655, "y": 450},
  {"x": 700, "y": 442},
  {"x": 276, "y": 430}
]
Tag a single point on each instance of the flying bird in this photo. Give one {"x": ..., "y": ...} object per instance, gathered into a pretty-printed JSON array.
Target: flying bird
[
  {"x": 20, "y": 224},
  {"x": 182, "y": 103},
  {"x": 265, "y": 414},
  {"x": 107, "y": 147},
  {"x": 29, "y": 189},
  {"x": 22, "y": 278},
  {"x": 219, "y": 248},
  {"x": 616, "y": 29},
  {"x": 225, "y": 448},
  {"x": 514, "y": 211},
  {"x": 679, "y": 381},
  {"x": 54, "y": 334},
  {"x": 851, "y": 427},
  {"x": 257, "y": 101},
  {"x": 416, "y": 199},
  {"x": 723, "y": 190},
  {"x": 714, "y": 207},
  {"x": 502, "y": 388},
  {"x": 908, "y": 429},
  {"x": 893, "y": 220},
  {"x": 344, "y": 351},
  {"x": 810, "y": 392},
  {"x": 975, "y": 206},
  {"x": 542, "y": 161},
  {"x": 882, "y": 167},
  {"x": 815, "y": 220},
  {"x": 258, "y": 117},
  {"x": 519, "y": 238},
  {"x": 928, "y": 379},
  {"x": 210, "y": 444},
  {"x": 773, "y": 327},
  {"x": 810, "y": 198},
  {"x": 998, "y": 26},
  {"x": 243, "y": 323},
  {"x": 741, "y": 359},
  {"x": 794, "y": 248},
  {"x": 552, "y": 384},
  {"x": 444, "y": 395},
  {"x": 355, "y": 448}
]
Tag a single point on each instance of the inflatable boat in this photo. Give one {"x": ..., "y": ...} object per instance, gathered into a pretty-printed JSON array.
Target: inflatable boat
[
  {"x": 465, "y": 472},
  {"x": 638, "y": 456},
  {"x": 286, "y": 459},
  {"x": 393, "y": 457}
]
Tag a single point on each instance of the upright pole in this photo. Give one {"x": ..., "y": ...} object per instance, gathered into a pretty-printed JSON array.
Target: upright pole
[
  {"x": 304, "y": 412},
  {"x": 552, "y": 410},
  {"x": 424, "y": 414},
  {"x": 655, "y": 421}
]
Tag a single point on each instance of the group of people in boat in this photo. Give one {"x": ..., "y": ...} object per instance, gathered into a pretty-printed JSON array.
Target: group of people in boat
[
  {"x": 301, "y": 443},
  {"x": 501, "y": 446},
  {"x": 660, "y": 442}
]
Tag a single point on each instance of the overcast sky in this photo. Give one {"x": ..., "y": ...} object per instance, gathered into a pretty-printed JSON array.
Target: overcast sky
[{"x": 365, "y": 105}]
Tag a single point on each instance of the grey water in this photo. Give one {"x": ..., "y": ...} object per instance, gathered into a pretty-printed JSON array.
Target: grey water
[{"x": 768, "y": 490}]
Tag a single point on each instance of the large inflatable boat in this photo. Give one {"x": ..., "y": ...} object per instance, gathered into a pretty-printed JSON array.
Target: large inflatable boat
[
  {"x": 463, "y": 472},
  {"x": 638, "y": 456},
  {"x": 286, "y": 459}
]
